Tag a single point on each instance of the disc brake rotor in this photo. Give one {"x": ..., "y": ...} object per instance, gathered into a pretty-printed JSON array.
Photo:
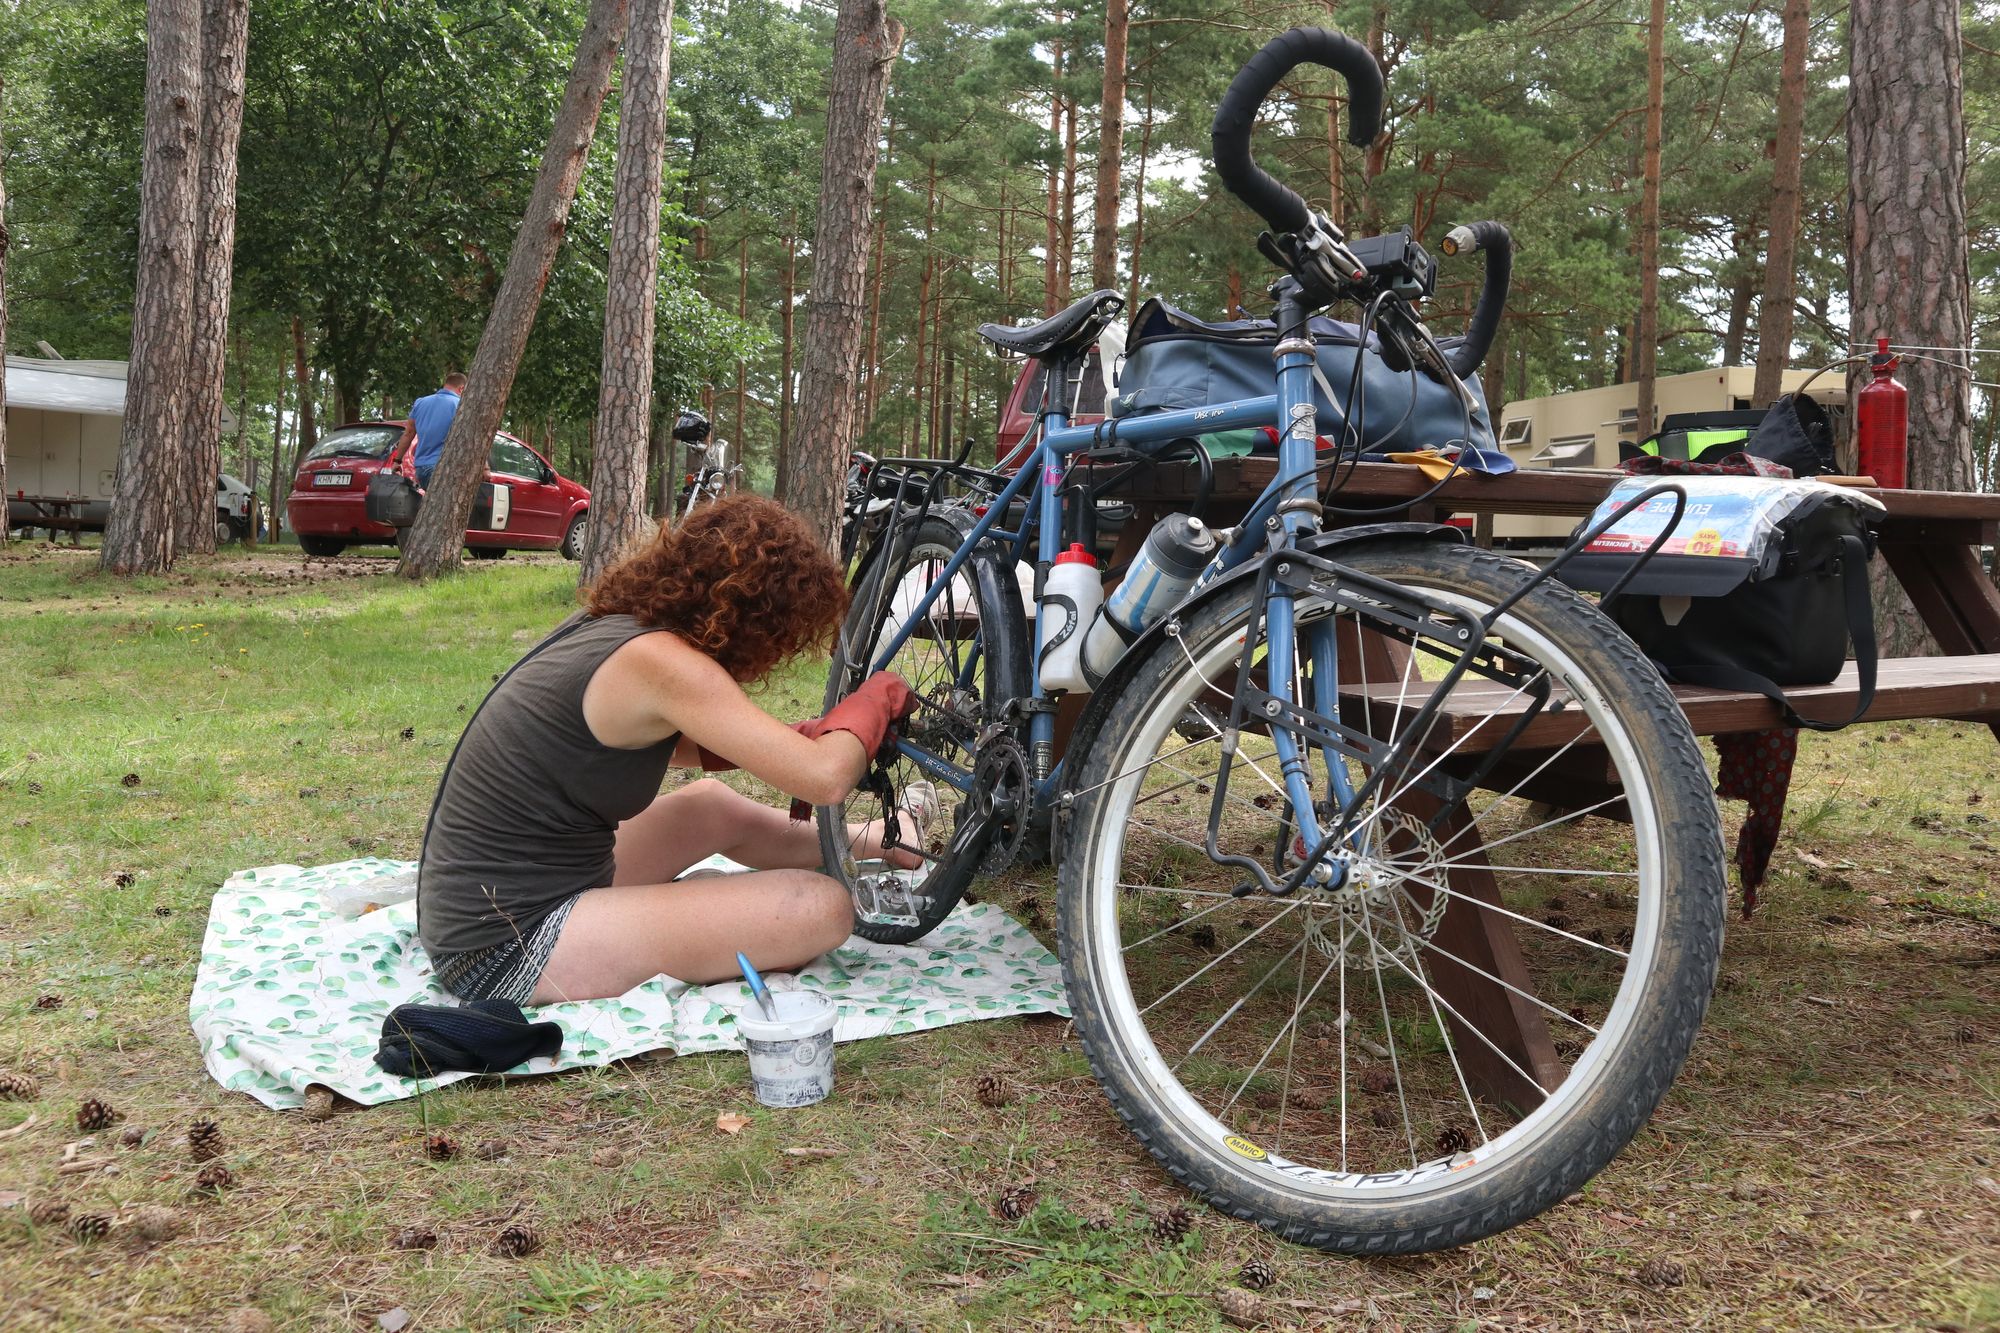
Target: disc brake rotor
[{"x": 1380, "y": 913}]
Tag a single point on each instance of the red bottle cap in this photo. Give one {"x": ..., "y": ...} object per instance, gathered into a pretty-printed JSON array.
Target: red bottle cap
[{"x": 1077, "y": 555}]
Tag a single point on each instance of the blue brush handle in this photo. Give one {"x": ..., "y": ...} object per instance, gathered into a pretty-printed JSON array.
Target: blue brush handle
[{"x": 757, "y": 987}]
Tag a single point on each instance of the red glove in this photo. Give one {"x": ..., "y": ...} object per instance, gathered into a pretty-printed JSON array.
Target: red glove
[{"x": 868, "y": 714}]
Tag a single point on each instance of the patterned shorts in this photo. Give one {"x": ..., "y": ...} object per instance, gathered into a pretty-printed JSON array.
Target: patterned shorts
[{"x": 507, "y": 970}]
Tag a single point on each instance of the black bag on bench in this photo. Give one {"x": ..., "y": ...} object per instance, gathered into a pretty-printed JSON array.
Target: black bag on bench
[{"x": 1777, "y": 607}]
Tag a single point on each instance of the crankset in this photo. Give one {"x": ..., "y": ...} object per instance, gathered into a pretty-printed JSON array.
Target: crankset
[{"x": 1001, "y": 799}]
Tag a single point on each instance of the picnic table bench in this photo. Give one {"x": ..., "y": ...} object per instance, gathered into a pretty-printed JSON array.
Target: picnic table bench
[{"x": 57, "y": 513}]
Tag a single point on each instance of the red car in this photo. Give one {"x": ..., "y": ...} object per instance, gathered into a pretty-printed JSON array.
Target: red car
[{"x": 533, "y": 508}]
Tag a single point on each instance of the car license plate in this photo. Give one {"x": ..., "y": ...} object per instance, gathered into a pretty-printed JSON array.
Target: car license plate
[{"x": 334, "y": 479}]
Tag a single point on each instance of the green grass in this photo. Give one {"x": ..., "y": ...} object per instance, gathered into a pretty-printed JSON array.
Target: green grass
[{"x": 1818, "y": 1165}]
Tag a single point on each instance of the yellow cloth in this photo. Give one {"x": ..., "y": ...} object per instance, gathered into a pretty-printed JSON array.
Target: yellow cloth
[{"x": 1435, "y": 465}]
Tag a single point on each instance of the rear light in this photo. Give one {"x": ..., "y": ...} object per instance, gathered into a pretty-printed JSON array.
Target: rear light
[
  {"x": 688, "y": 480},
  {"x": 979, "y": 511}
]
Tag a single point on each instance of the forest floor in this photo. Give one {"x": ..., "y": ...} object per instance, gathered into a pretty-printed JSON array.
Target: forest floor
[{"x": 1828, "y": 1159}]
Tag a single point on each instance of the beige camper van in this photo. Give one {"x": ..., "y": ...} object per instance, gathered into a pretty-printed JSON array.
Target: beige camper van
[{"x": 1583, "y": 429}]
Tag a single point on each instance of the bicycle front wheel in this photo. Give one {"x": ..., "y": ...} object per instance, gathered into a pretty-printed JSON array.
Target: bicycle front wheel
[{"x": 1491, "y": 985}]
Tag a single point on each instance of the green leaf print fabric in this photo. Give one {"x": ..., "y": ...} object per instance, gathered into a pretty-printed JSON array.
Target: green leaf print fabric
[{"x": 291, "y": 994}]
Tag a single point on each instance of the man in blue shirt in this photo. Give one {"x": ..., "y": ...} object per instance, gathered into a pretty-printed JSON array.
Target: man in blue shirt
[{"x": 432, "y": 418}]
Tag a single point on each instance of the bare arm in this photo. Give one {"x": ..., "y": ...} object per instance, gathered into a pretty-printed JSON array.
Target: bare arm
[{"x": 656, "y": 685}]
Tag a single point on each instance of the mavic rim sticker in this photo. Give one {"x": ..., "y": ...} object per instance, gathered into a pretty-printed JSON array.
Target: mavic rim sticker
[{"x": 1242, "y": 1147}]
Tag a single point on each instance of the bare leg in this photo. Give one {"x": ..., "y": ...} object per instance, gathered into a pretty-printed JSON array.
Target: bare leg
[
  {"x": 707, "y": 818},
  {"x": 618, "y": 937}
]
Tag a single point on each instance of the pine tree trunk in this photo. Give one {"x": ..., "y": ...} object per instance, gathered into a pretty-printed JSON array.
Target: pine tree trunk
[
  {"x": 1646, "y": 339},
  {"x": 865, "y": 43},
  {"x": 1906, "y": 254},
  {"x": 224, "y": 39},
  {"x": 1110, "y": 149},
  {"x": 619, "y": 458},
  {"x": 433, "y": 545},
  {"x": 742, "y": 367},
  {"x": 305, "y": 437},
  {"x": 4, "y": 241},
  {"x": 1052, "y": 284},
  {"x": 1069, "y": 198},
  {"x": 1741, "y": 293},
  {"x": 277, "y": 448},
  {"x": 787, "y": 323},
  {"x": 1139, "y": 202},
  {"x": 1774, "y": 315},
  {"x": 139, "y": 538}
]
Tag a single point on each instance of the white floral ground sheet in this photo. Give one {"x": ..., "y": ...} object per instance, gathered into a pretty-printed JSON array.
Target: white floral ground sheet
[{"x": 290, "y": 994}]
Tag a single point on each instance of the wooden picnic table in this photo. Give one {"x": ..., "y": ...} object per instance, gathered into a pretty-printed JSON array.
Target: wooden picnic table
[
  {"x": 1930, "y": 540},
  {"x": 54, "y": 512}
]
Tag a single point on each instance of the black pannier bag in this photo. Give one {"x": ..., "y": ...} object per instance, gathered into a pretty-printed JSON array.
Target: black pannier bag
[
  {"x": 1175, "y": 361},
  {"x": 393, "y": 499},
  {"x": 1762, "y": 584}
]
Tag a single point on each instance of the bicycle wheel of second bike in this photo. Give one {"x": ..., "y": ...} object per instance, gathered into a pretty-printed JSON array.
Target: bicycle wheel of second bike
[
  {"x": 1495, "y": 996},
  {"x": 965, "y": 660}
]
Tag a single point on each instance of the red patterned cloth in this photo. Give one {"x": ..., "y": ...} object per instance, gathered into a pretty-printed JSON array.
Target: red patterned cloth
[
  {"x": 1757, "y": 768},
  {"x": 1733, "y": 465}
]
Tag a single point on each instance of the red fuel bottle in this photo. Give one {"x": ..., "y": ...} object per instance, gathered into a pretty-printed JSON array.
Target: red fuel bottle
[{"x": 1882, "y": 422}]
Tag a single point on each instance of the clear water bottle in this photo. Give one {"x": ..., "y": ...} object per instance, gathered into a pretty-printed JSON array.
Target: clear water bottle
[
  {"x": 1176, "y": 551},
  {"x": 1071, "y": 599}
]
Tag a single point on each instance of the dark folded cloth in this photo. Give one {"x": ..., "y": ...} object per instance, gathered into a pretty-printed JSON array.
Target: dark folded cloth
[{"x": 483, "y": 1037}]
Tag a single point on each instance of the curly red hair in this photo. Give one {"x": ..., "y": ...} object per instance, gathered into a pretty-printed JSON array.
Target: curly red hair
[{"x": 741, "y": 579}]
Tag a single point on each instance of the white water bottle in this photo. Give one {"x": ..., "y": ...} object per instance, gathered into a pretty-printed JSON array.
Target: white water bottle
[{"x": 1070, "y": 602}]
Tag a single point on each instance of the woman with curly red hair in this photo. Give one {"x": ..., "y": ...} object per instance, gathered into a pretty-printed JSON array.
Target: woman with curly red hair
[{"x": 549, "y": 860}]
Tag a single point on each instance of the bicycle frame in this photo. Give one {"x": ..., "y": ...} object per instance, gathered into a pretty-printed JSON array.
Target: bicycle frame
[{"x": 1286, "y": 511}]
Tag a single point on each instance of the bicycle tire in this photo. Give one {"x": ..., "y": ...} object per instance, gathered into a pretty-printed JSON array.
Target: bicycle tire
[
  {"x": 1614, "y": 1080},
  {"x": 989, "y": 590}
]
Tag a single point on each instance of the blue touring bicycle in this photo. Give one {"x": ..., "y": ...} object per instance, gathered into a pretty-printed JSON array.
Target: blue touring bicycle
[{"x": 1390, "y": 886}]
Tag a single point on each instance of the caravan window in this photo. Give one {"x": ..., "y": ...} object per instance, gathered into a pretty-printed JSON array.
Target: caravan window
[{"x": 1521, "y": 430}]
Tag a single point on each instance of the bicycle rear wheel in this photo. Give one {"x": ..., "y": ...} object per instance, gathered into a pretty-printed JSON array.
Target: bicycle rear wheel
[
  {"x": 1493, "y": 994},
  {"x": 965, "y": 661}
]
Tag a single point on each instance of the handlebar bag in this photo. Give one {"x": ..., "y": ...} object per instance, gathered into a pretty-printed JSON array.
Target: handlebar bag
[
  {"x": 1763, "y": 583},
  {"x": 1174, "y": 361}
]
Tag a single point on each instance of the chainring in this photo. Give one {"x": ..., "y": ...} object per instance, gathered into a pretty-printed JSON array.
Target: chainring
[{"x": 1000, "y": 797}]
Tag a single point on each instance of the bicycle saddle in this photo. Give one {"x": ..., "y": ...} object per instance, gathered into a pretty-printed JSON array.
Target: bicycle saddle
[{"x": 1061, "y": 335}]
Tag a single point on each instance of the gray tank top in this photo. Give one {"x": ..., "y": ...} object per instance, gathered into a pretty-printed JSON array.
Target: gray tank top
[{"x": 528, "y": 810}]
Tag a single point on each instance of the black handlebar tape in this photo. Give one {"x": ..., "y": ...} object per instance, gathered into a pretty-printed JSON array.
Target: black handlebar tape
[
  {"x": 1498, "y": 243},
  {"x": 1230, "y": 134}
]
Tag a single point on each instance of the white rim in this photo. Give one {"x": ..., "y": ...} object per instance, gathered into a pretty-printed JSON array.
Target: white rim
[{"x": 1238, "y": 1154}]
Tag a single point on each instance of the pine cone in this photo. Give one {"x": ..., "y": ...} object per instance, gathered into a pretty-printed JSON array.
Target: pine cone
[
  {"x": 19, "y": 1088},
  {"x": 48, "y": 1212},
  {"x": 214, "y": 1178},
  {"x": 1964, "y": 1035},
  {"x": 415, "y": 1238},
  {"x": 48, "y": 1002},
  {"x": 1384, "y": 1118},
  {"x": 491, "y": 1151},
  {"x": 1097, "y": 1219},
  {"x": 1378, "y": 1078},
  {"x": 1556, "y": 921},
  {"x": 1663, "y": 1273},
  {"x": 319, "y": 1103},
  {"x": 1239, "y": 1307},
  {"x": 517, "y": 1242},
  {"x": 1202, "y": 936},
  {"x": 87, "y": 1227},
  {"x": 992, "y": 1090},
  {"x": 129, "y": 780},
  {"x": 93, "y": 1115},
  {"x": 155, "y": 1225},
  {"x": 133, "y": 1136},
  {"x": 1453, "y": 1140},
  {"x": 204, "y": 1140},
  {"x": 440, "y": 1147},
  {"x": 1015, "y": 1202},
  {"x": 1171, "y": 1226},
  {"x": 1257, "y": 1275}
]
